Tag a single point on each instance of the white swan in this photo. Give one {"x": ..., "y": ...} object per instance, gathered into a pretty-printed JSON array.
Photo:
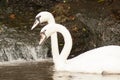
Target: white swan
[
  {"x": 100, "y": 60},
  {"x": 42, "y": 17}
]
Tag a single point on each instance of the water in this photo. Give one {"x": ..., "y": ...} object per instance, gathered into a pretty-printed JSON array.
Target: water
[
  {"x": 20, "y": 44},
  {"x": 43, "y": 70}
]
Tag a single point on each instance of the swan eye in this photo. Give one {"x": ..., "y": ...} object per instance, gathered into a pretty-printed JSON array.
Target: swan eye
[
  {"x": 37, "y": 18},
  {"x": 43, "y": 31}
]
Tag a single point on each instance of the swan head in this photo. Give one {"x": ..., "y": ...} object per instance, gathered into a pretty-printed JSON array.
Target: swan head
[
  {"x": 46, "y": 32},
  {"x": 42, "y": 17}
]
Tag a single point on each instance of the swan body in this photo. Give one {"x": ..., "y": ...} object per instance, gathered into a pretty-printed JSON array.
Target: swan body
[{"x": 100, "y": 60}]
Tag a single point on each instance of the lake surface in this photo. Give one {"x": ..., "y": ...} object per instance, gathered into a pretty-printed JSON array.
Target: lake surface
[{"x": 44, "y": 70}]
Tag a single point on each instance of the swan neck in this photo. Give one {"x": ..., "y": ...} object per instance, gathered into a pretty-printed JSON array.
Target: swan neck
[
  {"x": 51, "y": 19},
  {"x": 54, "y": 46},
  {"x": 67, "y": 43}
]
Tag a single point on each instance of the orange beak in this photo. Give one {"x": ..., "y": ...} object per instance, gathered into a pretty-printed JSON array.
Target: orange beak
[{"x": 43, "y": 37}]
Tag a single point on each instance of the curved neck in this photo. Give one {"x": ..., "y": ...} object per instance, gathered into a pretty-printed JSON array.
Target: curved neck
[
  {"x": 51, "y": 19},
  {"x": 54, "y": 40},
  {"x": 67, "y": 42}
]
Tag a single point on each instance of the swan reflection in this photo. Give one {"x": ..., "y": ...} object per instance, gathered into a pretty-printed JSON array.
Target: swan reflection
[{"x": 79, "y": 76}]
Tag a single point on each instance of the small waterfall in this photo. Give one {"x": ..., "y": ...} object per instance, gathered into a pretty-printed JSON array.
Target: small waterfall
[
  {"x": 22, "y": 51},
  {"x": 18, "y": 44}
]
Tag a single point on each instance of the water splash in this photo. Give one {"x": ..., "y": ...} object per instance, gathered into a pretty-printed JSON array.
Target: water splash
[{"x": 17, "y": 44}]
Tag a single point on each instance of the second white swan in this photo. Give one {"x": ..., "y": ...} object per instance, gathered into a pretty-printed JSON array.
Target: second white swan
[{"x": 100, "y": 60}]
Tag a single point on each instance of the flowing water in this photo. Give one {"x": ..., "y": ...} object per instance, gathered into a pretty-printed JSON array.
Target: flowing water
[{"x": 44, "y": 70}]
